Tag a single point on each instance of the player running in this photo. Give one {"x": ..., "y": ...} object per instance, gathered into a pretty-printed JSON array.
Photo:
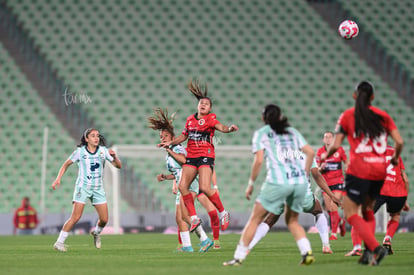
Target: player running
[
  {"x": 90, "y": 157},
  {"x": 286, "y": 182},
  {"x": 199, "y": 130},
  {"x": 331, "y": 170},
  {"x": 311, "y": 205},
  {"x": 366, "y": 128}
]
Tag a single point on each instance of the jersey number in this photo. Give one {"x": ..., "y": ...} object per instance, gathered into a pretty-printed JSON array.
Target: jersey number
[{"x": 379, "y": 145}]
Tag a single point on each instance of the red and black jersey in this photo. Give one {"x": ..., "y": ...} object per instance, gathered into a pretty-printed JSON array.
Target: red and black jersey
[
  {"x": 200, "y": 134},
  {"x": 394, "y": 185},
  {"x": 367, "y": 155},
  {"x": 333, "y": 165}
]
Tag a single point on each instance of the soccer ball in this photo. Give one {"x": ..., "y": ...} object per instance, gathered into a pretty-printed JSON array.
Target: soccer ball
[{"x": 348, "y": 29}]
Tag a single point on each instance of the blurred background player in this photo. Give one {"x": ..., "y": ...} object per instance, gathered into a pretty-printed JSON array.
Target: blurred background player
[
  {"x": 90, "y": 157},
  {"x": 311, "y": 205},
  {"x": 25, "y": 218},
  {"x": 175, "y": 158},
  {"x": 331, "y": 170},
  {"x": 199, "y": 130},
  {"x": 367, "y": 129},
  {"x": 286, "y": 181}
]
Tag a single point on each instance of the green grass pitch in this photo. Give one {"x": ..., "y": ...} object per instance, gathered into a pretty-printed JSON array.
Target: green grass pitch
[{"x": 149, "y": 253}]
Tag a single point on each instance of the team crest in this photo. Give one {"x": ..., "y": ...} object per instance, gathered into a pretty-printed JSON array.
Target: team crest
[
  {"x": 201, "y": 122},
  {"x": 336, "y": 154}
]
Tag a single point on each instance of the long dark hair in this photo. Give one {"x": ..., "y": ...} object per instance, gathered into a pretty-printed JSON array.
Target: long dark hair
[
  {"x": 161, "y": 121},
  {"x": 366, "y": 121},
  {"x": 272, "y": 115},
  {"x": 102, "y": 141},
  {"x": 199, "y": 92}
]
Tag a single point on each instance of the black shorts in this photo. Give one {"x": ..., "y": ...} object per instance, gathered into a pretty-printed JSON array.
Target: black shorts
[
  {"x": 359, "y": 189},
  {"x": 394, "y": 204},
  {"x": 200, "y": 162},
  {"x": 337, "y": 187}
]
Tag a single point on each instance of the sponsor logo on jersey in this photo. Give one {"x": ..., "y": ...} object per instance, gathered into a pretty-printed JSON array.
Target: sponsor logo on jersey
[{"x": 201, "y": 122}]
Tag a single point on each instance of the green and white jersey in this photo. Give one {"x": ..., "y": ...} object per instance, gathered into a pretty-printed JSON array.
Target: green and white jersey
[
  {"x": 172, "y": 165},
  {"x": 284, "y": 159},
  {"x": 90, "y": 166}
]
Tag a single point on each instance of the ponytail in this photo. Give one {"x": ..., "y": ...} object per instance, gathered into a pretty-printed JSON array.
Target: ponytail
[
  {"x": 195, "y": 88},
  {"x": 366, "y": 121},
  {"x": 272, "y": 115}
]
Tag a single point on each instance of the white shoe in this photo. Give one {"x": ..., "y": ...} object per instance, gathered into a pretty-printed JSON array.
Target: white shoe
[
  {"x": 96, "y": 239},
  {"x": 60, "y": 247}
]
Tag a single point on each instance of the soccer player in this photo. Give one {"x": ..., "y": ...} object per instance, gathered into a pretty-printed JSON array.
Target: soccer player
[
  {"x": 331, "y": 170},
  {"x": 199, "y": 130},
  {"x": 175, "y": 159},
  {"x": 286, "y": 181},
  {"x": 366, "y": 128},
  {"x": 394, "y": 194},
  {"x": 310, "y": 205},
  {"x": 90, "y": 157}
]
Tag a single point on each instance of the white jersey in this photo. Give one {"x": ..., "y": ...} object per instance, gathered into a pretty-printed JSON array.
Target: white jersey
[
  {"x": 90, "y": 166},
  {"x": 284, "y": 159},
  {"x": 172, "y": 165}
]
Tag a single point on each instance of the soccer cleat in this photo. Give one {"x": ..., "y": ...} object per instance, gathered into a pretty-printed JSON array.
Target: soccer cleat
[
  {"x": 354, "y": 252},
  {"x": 326, "y": 250},
  {"x": 342, "y": 228},
  {"x": 184, "y": 249},
  {"x": 387, "y": 245},
  {"x": 225, "y": 220},
  {"x": 60, "y": 247},
  {"x": 333, "y": 237},
  {"x": 307, "y": 259},
  {"x": 96, "y": 239},
  {"x": 205, "y": 245},
  {"x": 217, "y": 244},
  {"x": 367, "y": 258},
  {"x": 194, "y": 224},
  {"x": 234, "y": 262},
  {"x": 379, "y": 254}
]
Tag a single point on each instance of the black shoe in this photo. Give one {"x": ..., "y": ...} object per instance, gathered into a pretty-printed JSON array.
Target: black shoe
[
  {"x": 307, "y": 259},
  {"x": 379, "y": 253},
  {"x": 387, "y": 245},
  {"x": 367, "y": 258}
]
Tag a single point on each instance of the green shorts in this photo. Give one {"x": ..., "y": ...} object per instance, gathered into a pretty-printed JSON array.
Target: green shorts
[
  {"x": 308, "y": 202},
  {"x": 273, "y": 197},
  {"x": 194, "y": 187},
  {"x": 81, "y": 195}
]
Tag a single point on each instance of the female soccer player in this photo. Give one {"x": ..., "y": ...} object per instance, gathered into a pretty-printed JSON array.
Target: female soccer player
[
  {"x": 286, "y": 181},
  {"x": 311, "y": 205},
  {"x": 394, "y": 194},
  {"x": 199, "y": 130},
  {"x": 175, "y": 159},
  {"x": 366, "y": 128},
  {"x": 331, "y": 170},
  {"x": 90, "y": 157}
]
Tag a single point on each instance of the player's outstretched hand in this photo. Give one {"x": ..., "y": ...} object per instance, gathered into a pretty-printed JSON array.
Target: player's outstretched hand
[
  {"x": 164, "y": 144},
  {"x": 249, "y": 191},
  {"x": 55, "y": 183}
]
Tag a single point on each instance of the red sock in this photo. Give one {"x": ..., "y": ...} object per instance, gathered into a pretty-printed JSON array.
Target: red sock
[
  {"x": 179, "y": 236},
  {"x": 215, "y": 224},
  {"x": 369, "y": 217},
  {"x": 335, "y": 218},
  {"x": 356, "y": 239},
  {"x": 361, "y": 228},
  {"x": 392, "y": 227},
  {"x": 215, "y": 199},
  {"x": 189, "y": 204}
]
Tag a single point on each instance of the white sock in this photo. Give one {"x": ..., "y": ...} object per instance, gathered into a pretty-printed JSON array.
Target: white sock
[
  {"x": 241, "y": 251},
  {"x": 221, "y": 214},
  {"x": 357, "y": 246},
  {"x": 387, "y": 237},
  {"x": 321, "y": 224},
  {"x": 98, "y": 229},
  {"x": 62, "y": 236},
  {"x": 304, "y": 246},
  {"x": 185, "y": 238},
  {"x": 261, "y": 231},
  {"x": 201, "y": 234},
  {"x": 193, "y": 217}
]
